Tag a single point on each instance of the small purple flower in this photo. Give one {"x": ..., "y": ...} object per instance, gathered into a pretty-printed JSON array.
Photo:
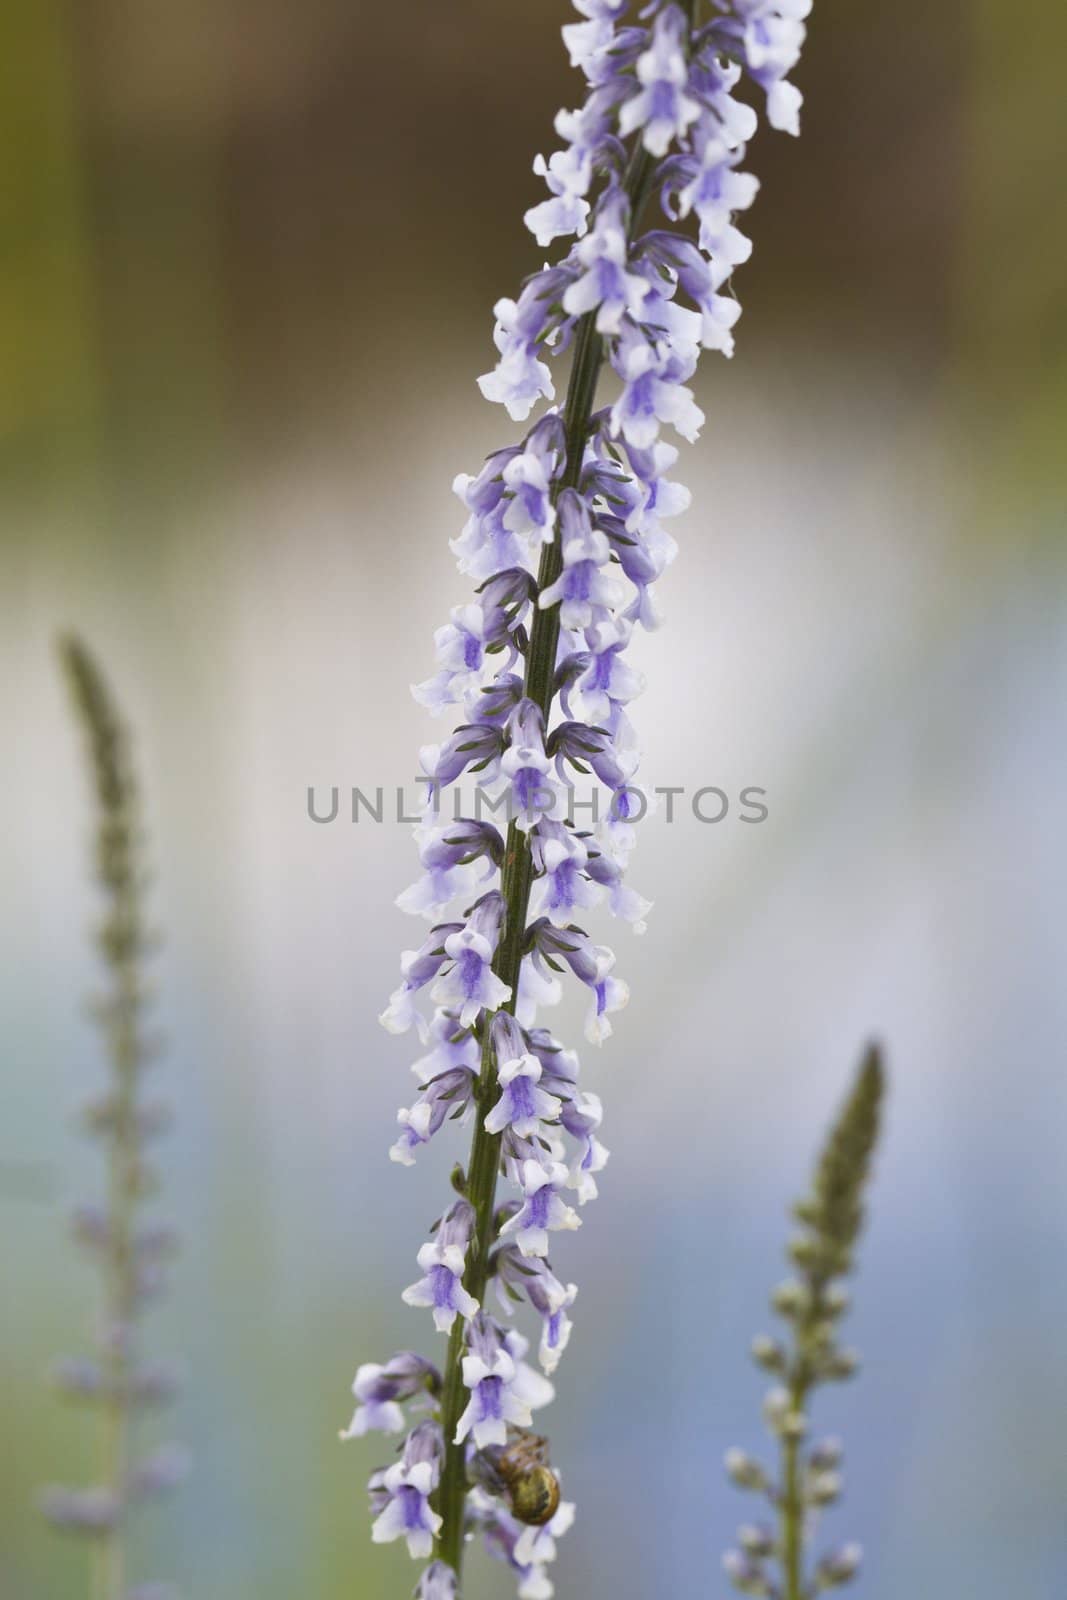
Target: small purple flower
[
  {"x": 586, "y": 43},
  {"x": 591, "y": 746},
  {"x": 452, "y": 1046},
  {"x": 686, "y": 267},
  {"x": 444, "y": 1097},
  {"x": 442, "y": 1261},
  {"x": 407, "y": 1514},
  {"x": 583, "y": 591},
  {"x": 522, "y": 1106},
  {"x": 461, "y": 647},
  {"x": 651, "y": 396},
  {"x": 552, "y": 1300},
  {"x": 564, "y": 886},
  {"x": 543, "y": 1210},
  {"x": 469, "y": 986},
  {"x": 444, "y": 880},
  {"x": 377, "y": 1408},
  {"x": 605, "y": 285},
  {"x": 592, "y": 964},
  {"x": 503, "y": 1389},
  {"x": 533, "y": 794},
  {"x": 441, "y": 1289},
  {"x": 582, "y": 1117},
  {"x": 475, "y": 745},
  {"x": 438, "y": 1582},
  {"x": 661, "y": 108},
  {"x": 521, "y": 1276},
  {"x": 773, "y": 34},
  {"x": 567, "y": 174},
  {"x": 716, "y": 192},
  {"x": 625, "y": 902},
  {"x": 526, "y": 1550},
  {"x": 530, "y": 512},
  {"x": 450, "y": 853},
  {"x": 608, "y": 681},
  {"x": 520, "y": 378},
  {"x": 159, "y": 1473},
  {"x": 95, "y": 1510},
  {"x": 379, "y": 1390},
  {"x": 418, "y": 968}
]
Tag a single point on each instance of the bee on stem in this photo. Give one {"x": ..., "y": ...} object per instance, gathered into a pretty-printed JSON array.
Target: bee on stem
[{"x": 532, "y": 1486}]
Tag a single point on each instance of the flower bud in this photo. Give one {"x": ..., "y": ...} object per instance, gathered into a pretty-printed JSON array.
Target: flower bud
[
  {"x": 842, "y": 1364},
  {"x": 839, "y": 1567},
  {"x": 768, "y": 1353},
  {"x": 823, "y": 1488},
  {"x": 756, "y": 1540},
  {"x": 746, "y": 1576},
  {"x": 826, "y": 1455},
  {"x": 745, "y": 1472},
  {"x": 791, "y": 1298}
]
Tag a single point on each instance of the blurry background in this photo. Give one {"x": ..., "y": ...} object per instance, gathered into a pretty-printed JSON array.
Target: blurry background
[{"x": 247, "y": 260}]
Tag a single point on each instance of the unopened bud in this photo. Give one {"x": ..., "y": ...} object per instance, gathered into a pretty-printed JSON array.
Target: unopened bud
[
  {"x": 745, "y": 1471},
  {"x": 823, "y": 1488},
  {"x": 836, "y": 1300},
  {"x": 756, "y": 1540},
  {"x": 826, "y": 1455},
  {"x": 842, "y": 1364},
  {"x": 768, "y": 1353},
  {"x": 790, "y": 1299},
  {"x": 745, "y": 1575},
  {"x": 839, "y": 1567}
]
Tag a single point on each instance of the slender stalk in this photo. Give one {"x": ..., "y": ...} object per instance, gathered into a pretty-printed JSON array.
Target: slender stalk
[
  {"x": 120, "y": 1289},
  {"x": 833, "y": 1216},
  {"x": 517, "y": 879},
  {"x": 121, "y": 936},
  {"x": 791, "y": 1504},
  {"x": 516, "y": 883}
]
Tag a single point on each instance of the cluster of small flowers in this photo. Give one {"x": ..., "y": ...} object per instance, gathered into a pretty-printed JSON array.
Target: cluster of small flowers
[
  {"x": 660, "y": 121},
  {"x": 115, "y": 1379},
  {"x": 818, "y": 1481},
  {"x": 504, "y": 1392},
  {"x": 820, "y": 1485}
]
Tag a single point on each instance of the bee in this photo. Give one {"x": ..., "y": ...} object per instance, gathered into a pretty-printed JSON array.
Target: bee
[{"x": 533, "y": 1488}]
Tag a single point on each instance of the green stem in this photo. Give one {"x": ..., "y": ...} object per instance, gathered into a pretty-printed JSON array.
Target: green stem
[
  {"x": 121, "y": 940},
  {"x": 791, "y": 1513},
  {"x": 792, "y": 1532},
  {"x": 109, "y": 1577},
  {"x": 516, "y": 882}
]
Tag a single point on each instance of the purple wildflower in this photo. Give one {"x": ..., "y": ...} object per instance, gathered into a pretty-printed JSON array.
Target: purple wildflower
[
  {"x": 442, "y": 1261},
  {"x": 402, "y": 1494},
  {"x": 565, "y": 543},
  {"x": 504, "y": 1391},
  {"x": 438, "y": 1582}
]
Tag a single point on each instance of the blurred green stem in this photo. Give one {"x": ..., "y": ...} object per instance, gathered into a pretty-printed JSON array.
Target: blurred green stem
[
  {"x": 123, "y": 1183},
  {"x": 121, "y": 938},
  {"x": 791, "y": 1506}
]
